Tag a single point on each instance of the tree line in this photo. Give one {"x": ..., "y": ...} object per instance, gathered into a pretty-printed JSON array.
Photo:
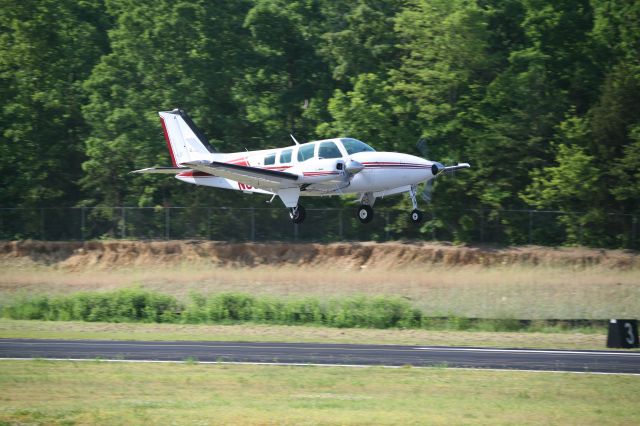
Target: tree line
[{"x": 542, "y": 98}]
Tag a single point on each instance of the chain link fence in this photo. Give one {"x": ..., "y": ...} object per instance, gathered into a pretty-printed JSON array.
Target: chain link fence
[{"x": 321, "y": 225}]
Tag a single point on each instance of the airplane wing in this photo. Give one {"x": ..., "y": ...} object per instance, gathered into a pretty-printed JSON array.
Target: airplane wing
[
  {"x": 162, "y": 170},
  {"x": 270, "y": 180}
]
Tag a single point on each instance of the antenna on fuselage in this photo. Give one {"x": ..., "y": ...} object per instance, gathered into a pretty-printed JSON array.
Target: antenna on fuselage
[{"x": 294, "y": 139}]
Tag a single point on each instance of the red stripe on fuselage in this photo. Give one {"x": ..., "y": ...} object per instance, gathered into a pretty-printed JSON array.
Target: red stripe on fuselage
[
  {"x": 276, "y": 167},
  {"x": 166, "y": 137},
  {"x": 239, "y": 161},
  {"x": 319, "y": 173},
  {"x": 394, "y": 165}
]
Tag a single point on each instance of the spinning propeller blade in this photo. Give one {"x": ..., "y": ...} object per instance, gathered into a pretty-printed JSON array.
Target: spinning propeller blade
[{"x": 426, "y": 191}]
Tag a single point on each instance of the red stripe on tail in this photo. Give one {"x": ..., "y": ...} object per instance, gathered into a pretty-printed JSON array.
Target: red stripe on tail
[{"x": 166, "y": 136}]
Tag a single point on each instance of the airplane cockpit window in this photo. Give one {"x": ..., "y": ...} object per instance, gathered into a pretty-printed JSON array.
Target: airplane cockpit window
[
  {"x": 354, "y": 145},
  {"x": 329, "y": 149},
  {"x": 270, "y": 159},
  {"x": 285, "y": 156},
  {"x": 305, "y": 152}
]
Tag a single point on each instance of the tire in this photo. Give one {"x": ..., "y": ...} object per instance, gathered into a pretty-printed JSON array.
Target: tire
[
  {"x": 416, "y": 216},
  {"x": 365, "y": 213},
  {"x": 299, "y": 216}
]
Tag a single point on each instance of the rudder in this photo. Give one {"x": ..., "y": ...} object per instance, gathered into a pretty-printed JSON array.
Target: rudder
[{"x": 185, "y": 141}]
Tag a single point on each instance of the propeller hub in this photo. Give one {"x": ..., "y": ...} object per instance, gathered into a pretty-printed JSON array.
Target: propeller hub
[
  {"x": 352, "y": 167},
  {"x": 436, "y": 168}
]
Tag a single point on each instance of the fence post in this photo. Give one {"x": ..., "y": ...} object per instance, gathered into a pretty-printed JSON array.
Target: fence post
[
  {"x": 634, "y": 231},
  {"x": 386, "y": 227},
  {"x": 167, "y": 222},
  {"x": 124, "y": 223},
  {"x": 253, "y": 224},
  {"x": 42, "y": 224},
  {"x": 580, "y": 231},
  {"x": 340, "y": 226},
  {"x": 530, "y": 226},
  {"x": 481, "y": 225},
  {"x": 82, "y": 223}
]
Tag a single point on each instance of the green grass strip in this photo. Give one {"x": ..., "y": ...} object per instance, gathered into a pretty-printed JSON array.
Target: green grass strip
[{"x": 146, "y": 306}]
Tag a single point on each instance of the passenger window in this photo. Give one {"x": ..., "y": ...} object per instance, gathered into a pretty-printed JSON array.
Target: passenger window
[
  {"x": 270, "y": 159},
  {"x": 285, "y": 156},
  {"x": 305, "y": 152},
  {"x": 329, "y": 150}
]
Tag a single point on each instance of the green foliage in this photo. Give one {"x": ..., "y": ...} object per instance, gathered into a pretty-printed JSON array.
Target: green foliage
[
  {"x": 539, "y": 96},
  {"x": 47, "y": 49},
  {"x": 377, "y": 312},
  {"x": 127, "y": 305},
  {"x": 138, "y": 305},
  {"x": 568, "y": 185}
]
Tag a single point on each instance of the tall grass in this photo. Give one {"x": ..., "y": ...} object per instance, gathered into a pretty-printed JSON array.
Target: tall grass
[
  {"x": 139, "y": 305},
  {"x": 125, "y": 305}
]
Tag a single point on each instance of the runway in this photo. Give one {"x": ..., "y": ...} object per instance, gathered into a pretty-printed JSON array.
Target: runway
[{"x": 327, "y": 354}]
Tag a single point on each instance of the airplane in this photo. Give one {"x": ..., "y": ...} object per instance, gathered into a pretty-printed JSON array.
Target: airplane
[{"x": 325, "y": 167}]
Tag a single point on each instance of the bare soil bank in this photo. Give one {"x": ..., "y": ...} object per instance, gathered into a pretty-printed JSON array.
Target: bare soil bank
[{"x": 117, "y": 254}]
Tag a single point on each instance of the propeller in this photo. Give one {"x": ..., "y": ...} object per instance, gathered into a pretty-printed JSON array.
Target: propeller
[
  {"x": 422, "y": 147},
  {"x": 437, "y": 169},
  {"x": 426, "y": 191}
]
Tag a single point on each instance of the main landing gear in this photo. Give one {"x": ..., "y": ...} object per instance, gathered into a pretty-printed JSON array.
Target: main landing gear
[
  {"x": 365, "y": 210},
  {"x": 297, "y": 214},
  {"x": 365, "y": 213}
]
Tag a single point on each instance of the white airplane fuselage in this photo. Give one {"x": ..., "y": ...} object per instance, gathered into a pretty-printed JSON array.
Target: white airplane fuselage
[{"x": 384, "y": 173}]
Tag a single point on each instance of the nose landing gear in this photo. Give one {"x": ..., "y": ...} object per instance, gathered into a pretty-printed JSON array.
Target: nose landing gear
[{"x": 416, "y": 215}]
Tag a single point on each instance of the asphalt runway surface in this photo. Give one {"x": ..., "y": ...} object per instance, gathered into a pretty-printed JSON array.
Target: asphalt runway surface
[{"x": 327, "y": 354}]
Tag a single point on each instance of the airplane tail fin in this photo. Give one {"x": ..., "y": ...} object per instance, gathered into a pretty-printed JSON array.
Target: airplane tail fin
[{"x": 185, "y": 141}]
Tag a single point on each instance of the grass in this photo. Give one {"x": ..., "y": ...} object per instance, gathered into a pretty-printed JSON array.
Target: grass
[
  {"x": 49, "y": 392},
  {"x": 526, "y": 291},
  {"x": 275, "y": 333},
  {"x": 139, "y": 305}
]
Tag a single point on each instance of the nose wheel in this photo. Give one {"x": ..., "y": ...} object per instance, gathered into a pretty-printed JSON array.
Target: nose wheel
[
  {"x": 416, "y": 216},
  {"x": 297, "y": 214},
  {"x": 365, "y": 213}
]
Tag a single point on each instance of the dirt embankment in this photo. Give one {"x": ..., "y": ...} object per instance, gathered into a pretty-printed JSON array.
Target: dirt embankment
[{"x": 115, "y": 254}]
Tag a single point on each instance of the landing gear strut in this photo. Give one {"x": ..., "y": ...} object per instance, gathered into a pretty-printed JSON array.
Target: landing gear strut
[
  {"x": 416, "y": 215},
  {"x": 297, "y": 214}
]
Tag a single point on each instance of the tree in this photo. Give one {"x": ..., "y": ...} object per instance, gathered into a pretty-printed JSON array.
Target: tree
[
  {"x": 284, "y": 86},
  {"x": 164, "y": 55},
  {"x": 47, "y": 49}
]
